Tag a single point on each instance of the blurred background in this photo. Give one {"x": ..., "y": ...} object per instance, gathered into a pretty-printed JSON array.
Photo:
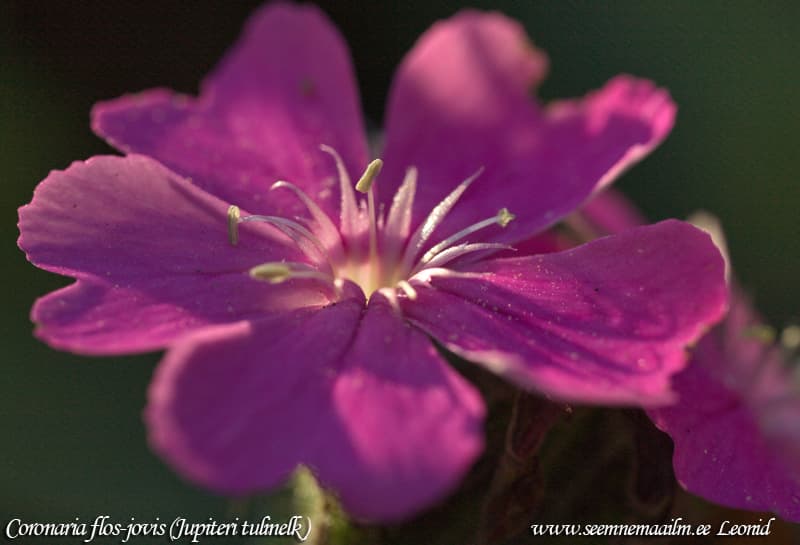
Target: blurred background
[{"x": 73, "y": 440}]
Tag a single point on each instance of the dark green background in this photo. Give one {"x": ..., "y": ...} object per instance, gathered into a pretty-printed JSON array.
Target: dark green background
[{"x": 73, "y": 443}]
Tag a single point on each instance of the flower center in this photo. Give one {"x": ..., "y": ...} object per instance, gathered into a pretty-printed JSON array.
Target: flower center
[{"x": 376, "y": 251}]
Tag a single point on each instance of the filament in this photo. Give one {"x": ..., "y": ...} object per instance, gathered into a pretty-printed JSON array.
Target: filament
[
  {"x": 433, "y": 220},
  {"x": 502, "y": 218}
]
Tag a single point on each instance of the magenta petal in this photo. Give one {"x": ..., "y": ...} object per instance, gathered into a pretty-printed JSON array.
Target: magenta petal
[
  {"x": 147, "y": 314},
  {"x": 151, "y": 253},
  {"x": 237, "y": 408},
  {"x": 370, "y": 406},
  {"x": 721, "y": 452},
  {"x": 460, "y": 101},
  {"x": 283, "y": 90},
  {"x": 606, "y": 322},
  {"x": 735, "y": 426},
  {"x": 780, "y": 424}
]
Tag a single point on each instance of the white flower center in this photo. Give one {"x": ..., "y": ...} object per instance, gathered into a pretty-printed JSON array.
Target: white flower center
[{"x": 376, "y": 251}]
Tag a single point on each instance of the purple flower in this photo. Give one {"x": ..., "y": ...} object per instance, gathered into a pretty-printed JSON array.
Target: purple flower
[
  {"x": 736, "y": 423},
  {"x": 735, "y": 428},
  {"x": 298, "y": 326}
]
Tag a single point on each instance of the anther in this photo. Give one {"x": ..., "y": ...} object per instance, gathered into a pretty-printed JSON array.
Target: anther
[
  {"x": 274, "y": 273},
  {"x": 365, "y": 182},
  {"x": 504, "y": 217},
  {"x": 234, "y": 215},
  {"x": 277, "y": 272}
]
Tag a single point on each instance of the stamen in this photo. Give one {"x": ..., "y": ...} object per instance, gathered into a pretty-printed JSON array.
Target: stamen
[
  {"x": 393, "y": 272},
  {"x": 398, "y": 223},
  {"x": 454, "y": 252},
  {"x": 433, "y": 220},
  {"x": 328, "y": 229},
  {"x": 364, "y": 185},
  {"x": 349, "y": 211},
  {"x": 277, "y": 272},
  {"x": 370, "y": 173},
  {"x": 233, "y": 224},
  {"x": 502, "y": 218}
]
